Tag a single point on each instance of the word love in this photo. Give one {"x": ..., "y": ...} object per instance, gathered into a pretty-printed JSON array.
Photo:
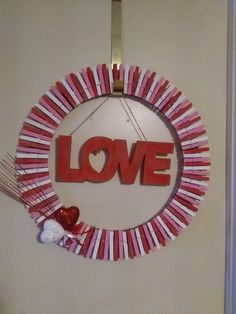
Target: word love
[{"x": 144, "y": 156}]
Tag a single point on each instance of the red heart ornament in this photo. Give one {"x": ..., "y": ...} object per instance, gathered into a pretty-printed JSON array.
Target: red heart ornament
[{"x": 67, "y": 217}]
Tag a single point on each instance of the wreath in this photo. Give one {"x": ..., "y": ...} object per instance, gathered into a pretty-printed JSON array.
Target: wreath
[{"x": 63, "y": 225}]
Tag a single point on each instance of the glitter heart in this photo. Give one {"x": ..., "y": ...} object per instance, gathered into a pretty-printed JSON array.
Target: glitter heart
[
  {"x": 67, "y": 217},
  {"x": 52, "y": 231}
]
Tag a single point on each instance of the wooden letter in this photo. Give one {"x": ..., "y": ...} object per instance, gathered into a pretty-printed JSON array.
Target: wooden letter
[
  {"x": 152, "y": 163},
  {"x": 129, "y": 166},
  {"x": 63, "y": 171},
  {"x": 95, "y": 145}
]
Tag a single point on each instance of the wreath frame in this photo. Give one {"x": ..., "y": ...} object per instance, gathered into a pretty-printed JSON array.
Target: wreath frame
[{"x": 36, "y": 137}]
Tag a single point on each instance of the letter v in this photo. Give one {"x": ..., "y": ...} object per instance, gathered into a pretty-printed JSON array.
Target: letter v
[{"x": 129, "y": 166}]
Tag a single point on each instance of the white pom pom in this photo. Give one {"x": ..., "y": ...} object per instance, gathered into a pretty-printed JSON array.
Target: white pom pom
[{"x": 52, "y": 231}]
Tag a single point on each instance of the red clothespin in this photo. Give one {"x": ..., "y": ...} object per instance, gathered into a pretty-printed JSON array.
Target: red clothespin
[
  {"x": 22, "y": 143},
  {"x": 116, "y": 245},
  {"x": 178, "y": 215},
  {"x": 78, "y": 86},
  {"x": 92, "y": 81},
  {"x": 161, "y": 91},
  {"x": 87, "y": 240},
  {"x": 172, "y": 100},
  {"x": 170, "y": 225},
  {"x": 66, "y": 94},
  {"x": 38, "y": 119},
  {"x": 158, "y": 233},
  {"x": 106, "y": 78},
  {"x": 35, "y": 130},
  {"x": 144, "y": 240},
  {"x": 130, "y": 244},
  {"x": 43, "y": 116},
  {"x": 186, "y": 203},
  {"x": 135, "y": 80},
  {"x": 181, "y": 112},
  {"x": 54, "y": 90},
  {"x": 148, "y": 85},
  {"x": 102, "y": 245},
  {"x": 53, "y": 106},
  {"x": 87, "y": 83}
]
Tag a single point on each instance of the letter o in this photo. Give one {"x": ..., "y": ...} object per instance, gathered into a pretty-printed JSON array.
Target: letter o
[{"x": 95, "y": 145}]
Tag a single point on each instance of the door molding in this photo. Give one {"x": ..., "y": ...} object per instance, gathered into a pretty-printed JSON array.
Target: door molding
[{"x": 230, "y": 264}]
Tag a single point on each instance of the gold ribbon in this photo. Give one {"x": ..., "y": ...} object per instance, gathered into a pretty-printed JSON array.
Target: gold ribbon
[
  {"x": 116, "y": 20},
  {"x": 116, "y": 42}
]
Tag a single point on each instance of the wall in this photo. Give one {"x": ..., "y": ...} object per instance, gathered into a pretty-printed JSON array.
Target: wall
[{"x": 185, "y": 41}]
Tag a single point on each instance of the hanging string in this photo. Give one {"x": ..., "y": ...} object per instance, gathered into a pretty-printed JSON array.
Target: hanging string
[
  {"x": 89, "y": 116},
  {"x": 134, "y": 123}
]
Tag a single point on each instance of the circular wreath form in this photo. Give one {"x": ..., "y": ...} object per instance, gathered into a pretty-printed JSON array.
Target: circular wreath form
[{"x": 36, "y": 137}]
